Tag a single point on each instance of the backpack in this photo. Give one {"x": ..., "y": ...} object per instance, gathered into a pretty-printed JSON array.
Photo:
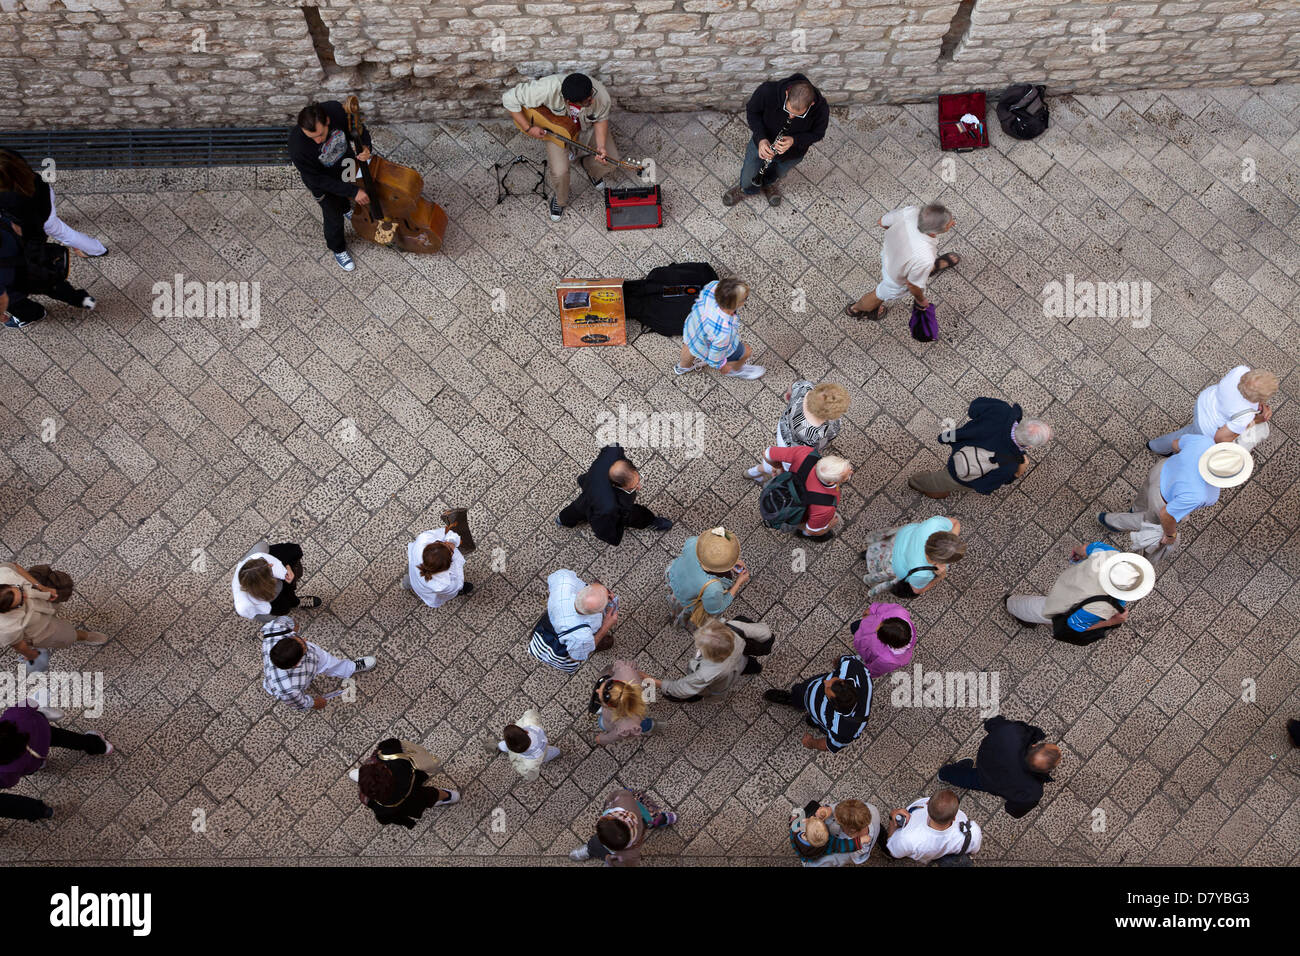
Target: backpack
[
  {"x": 1062, "y": 631},
  {"x": 1022, "y": 111},
  {"x": 662, "y": 300},
  {"x": 785, "y": 499},
  {"x": 924, "y": 325}
]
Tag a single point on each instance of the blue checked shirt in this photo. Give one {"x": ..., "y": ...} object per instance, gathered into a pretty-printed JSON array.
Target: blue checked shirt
[
  {"x": 289, "y": 686},
  {"x": 710, "y": 333}
]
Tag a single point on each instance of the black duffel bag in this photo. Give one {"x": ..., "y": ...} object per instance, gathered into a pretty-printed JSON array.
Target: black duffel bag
[
  {"x": 1022, "y": 110},
  {"x": 662, "y": 300}
]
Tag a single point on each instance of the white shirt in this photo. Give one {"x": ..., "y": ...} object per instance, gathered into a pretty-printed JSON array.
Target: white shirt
[
  {"x": 245, "y": 604},
  {"x": 1223, "y": 404},
  {"x": 444, "y": 585},
  {"x": 907, "y": 254},
  {"x": 922, "y": 842}
]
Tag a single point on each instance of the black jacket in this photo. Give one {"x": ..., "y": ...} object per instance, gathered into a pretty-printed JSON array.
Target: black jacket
[
  {"x": 766, "y": 115},
  {"x": 989, "y": 428},
  {"x": 30, "y": 212},
  {"x": 322, "y": 166},
  {"x": 421, "y": 797},
  {"x": 607, "y": 507},
  {"x": 1002, "y": 768}
]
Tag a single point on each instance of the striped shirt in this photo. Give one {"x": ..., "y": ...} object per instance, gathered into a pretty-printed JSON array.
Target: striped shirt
[
  {"x": 290, "y": 685},
  {"x": 794, "y": 428},
  {"x": 841, "y": 729},
  {"x": 711, "y": 334}
]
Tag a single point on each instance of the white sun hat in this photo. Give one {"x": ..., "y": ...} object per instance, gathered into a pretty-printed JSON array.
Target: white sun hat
[
  {"x": 1226, "y": 464},
  {"x": 1127, "y": 576}
]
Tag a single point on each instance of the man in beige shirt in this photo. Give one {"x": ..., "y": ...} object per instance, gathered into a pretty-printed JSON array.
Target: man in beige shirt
[{"x": 576, "y": 96}]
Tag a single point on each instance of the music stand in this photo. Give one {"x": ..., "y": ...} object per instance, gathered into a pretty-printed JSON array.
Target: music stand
[{"x": 503, "y": 170}]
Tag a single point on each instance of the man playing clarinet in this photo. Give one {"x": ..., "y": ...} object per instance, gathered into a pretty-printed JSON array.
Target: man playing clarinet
[{"x": 787, "y": 116}]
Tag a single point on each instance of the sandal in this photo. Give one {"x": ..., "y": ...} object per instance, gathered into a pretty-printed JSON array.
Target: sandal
[
  {"x": 945, "y": 261},
  {"x": 875, "y": 315}
]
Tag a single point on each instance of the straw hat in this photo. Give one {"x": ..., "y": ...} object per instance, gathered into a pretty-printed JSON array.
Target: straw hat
[
  {"x": 1226, "y": 464},
  {"x": 1127, "y": 576},
  {"x": 717, "y": 550}
]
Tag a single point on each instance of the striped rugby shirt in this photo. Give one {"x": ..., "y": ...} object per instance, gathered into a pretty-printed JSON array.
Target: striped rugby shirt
[{"x": 841, "y": 729}]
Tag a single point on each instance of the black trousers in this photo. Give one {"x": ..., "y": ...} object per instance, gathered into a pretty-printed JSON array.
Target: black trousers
[
  {"x": 64, "y": 291},
  {"x": 290, "y": 555},
  {"x": 332, "y": 209},
  {"x": 13, "y": 806},
  {"x": 634, "y": 516}
]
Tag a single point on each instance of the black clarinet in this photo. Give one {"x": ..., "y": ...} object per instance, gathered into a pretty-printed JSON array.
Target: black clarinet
[{"x": 758, "y": 181}]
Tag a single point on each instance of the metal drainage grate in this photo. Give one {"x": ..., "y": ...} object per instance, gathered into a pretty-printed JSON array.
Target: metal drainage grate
[{"x": 135, "y": 148}]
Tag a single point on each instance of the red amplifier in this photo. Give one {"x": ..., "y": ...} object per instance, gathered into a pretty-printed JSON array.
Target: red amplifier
[{"x": 636, "y": 207}]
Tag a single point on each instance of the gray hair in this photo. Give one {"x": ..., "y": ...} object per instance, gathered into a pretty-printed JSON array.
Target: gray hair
[
  {"x": 832, "y": 470},
  {"x": 1033, "y": 433},
  {"x": 933, "y": 217}
]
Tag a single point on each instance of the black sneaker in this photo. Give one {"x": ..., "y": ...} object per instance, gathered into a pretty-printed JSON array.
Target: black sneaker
[
  {"x": 752, "y": 666},
  {"x": 556, "y": 210},
  {"x": 24, "y": 312},
  {"x": 661, "y": 524},
  {"x": 309, "y": 601},
  {"x": 775, "y": 696},
  {"x": 467, "y": 588}
]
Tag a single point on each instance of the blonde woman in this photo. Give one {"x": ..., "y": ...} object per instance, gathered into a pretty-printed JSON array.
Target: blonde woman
[
  {"x": 621, "y": 706},
  {"x": 723, "y": 651},
  {"x": 436, "y": 567},
  {"x": 811, "y": 417},
  {"x": 1226, "y": 409}
]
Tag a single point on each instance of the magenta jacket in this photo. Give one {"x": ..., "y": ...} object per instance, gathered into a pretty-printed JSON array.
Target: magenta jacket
[
  {"x": 879, "y": 657},
  {"x": 31, "y": 722}
]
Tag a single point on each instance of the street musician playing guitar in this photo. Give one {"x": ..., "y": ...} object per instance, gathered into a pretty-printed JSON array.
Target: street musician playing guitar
[
  {"x": 319, "y": 149},
  {"x": 570, "y": 113}
]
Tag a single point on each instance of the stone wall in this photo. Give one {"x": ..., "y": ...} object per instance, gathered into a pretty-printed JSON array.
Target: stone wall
[{"x": 93, "y": 63}]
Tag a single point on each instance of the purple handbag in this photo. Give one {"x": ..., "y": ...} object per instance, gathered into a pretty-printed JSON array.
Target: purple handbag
[{"x": 924, "y": 326}]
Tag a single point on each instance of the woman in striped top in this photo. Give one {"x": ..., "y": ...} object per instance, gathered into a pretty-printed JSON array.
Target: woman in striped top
[{"x": 812, "y": 417}]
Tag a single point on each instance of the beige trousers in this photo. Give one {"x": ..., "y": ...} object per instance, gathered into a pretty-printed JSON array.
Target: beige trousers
[{"x": 557, "y": 165}]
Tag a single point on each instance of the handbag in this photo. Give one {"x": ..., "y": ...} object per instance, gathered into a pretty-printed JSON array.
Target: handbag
[
  {"x": 924, "y": 325},
  {"x": 46, "y": 264},
  {"x": 698, "y": 615},
  {"x": 1062, "y": 631},
  {"x": 61, "y": 581},
  {"x": 903, "y": 588}
]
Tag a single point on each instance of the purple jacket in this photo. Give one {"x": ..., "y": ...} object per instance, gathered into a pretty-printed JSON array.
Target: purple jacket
[
  {"x": 879, "y": 657},
  {"x": 31, "y": 722}
]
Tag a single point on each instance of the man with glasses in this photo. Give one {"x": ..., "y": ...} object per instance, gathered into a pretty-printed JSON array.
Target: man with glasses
[{"x": 786, "y": 117}]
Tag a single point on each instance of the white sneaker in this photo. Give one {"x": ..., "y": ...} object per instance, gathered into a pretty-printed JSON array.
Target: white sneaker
[
  {"x": 40, "y": 699},
  {"x": 454, "y": 798},
  {"x": 88, "y": 302},
  {"x": 344, "y": 259},
  {"x": 501, "y": 746},
  {"x": 682, "y": 370},
  {"x": 355, "y": 774},
  {"x": 580, "y": 854},
  {"x": 748, "y": 371},
  {"x": 365, "y": 664}
]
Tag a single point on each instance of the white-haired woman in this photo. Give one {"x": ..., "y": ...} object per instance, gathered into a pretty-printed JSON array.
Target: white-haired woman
[
  {"x": 818, "y": 480},
  {"x": 723, "y": 651},
  {"x": 1226, "y": 409},
  {"x": 989, "y": 451}
]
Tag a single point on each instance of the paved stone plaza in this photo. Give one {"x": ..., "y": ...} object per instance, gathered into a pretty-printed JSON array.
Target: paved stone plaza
[{"x": 362, "y": 405}]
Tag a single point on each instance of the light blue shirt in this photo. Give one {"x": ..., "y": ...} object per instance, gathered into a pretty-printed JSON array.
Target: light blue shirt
[
  {"x": 687, "y": 579},
  {"x": 909, "y": 549},
  {"x": 1181, "y": 484},
  {"x": 563, "y": 591}
]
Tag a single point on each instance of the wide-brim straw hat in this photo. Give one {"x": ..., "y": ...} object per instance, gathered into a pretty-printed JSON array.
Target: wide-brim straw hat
[
  {"x": 1127, "y": 576},
  {"x": 717, "y": 550},
  {"x": 1226, "y": 464}
]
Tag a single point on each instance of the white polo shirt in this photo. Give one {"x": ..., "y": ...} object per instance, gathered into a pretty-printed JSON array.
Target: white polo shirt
[
  {"x": 922, "y": 842},
  {"x": 1223, "y": 404}
]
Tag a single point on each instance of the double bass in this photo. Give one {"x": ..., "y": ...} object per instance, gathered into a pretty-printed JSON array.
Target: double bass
[{"x": 397, "y": 214}]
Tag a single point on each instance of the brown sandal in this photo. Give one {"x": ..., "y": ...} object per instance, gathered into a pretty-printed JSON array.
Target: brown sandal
[
  {"x": 875, "y": 315},
  {"x": 945, "y": 262}
]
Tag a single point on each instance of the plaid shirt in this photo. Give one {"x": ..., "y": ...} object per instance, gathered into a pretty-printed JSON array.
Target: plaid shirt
[
  {"x": 710, "y": 333},
  {"x": 289, "y": 686}
]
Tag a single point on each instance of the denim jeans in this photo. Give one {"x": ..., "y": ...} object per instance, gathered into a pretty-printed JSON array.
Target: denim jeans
[
  {"x": 1164, "y": 445},
  {"x": 749, "y": 170}
]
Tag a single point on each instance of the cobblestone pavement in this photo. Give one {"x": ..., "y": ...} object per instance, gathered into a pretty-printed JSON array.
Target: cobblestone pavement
[{"x": 181, "y": 441}]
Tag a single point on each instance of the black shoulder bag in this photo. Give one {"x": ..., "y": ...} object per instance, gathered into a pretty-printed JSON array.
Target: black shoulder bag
[
  {"x": 1062, "y": 631},
  {"x": 903, "y": 588}
]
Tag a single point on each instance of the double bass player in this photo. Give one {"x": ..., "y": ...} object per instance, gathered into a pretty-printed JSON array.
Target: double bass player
[{"x": 319, "y": 148}]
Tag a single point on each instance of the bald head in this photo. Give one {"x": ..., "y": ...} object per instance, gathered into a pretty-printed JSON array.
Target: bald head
[
  {"x": 942, "y": 807},
  {"x": 591, "y": 599},
  {"x": 1043, "y": 757},
  {"x": 622, "y": 474}
]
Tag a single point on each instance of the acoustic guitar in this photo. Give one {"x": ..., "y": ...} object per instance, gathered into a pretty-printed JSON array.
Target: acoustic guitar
[
  {"x": 397, "y": 214},
  {"x": 563, "y": 131}
]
